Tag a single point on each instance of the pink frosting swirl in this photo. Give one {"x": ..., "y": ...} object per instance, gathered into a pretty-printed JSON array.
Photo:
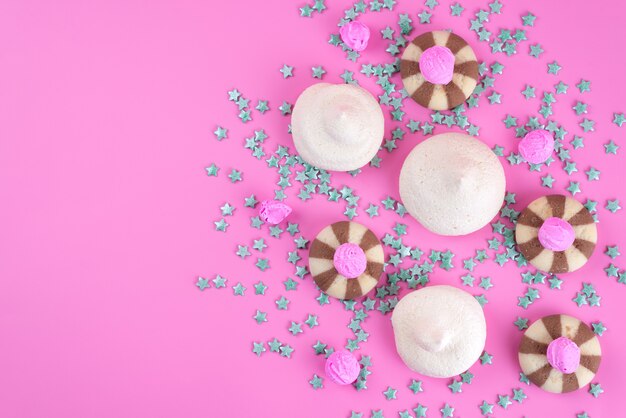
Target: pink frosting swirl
[
  {"x": 355, "y": 35},
  {"x": 350, "y": 260},
  {"x": 556, "y": 234},
  {"x": 342, "y": 367},
  {"x": 564, "y": 355},
  {"x": 437, "y": 64},
  {"x": 273, "y": 212},
  {"x": 536, "y": 146}
]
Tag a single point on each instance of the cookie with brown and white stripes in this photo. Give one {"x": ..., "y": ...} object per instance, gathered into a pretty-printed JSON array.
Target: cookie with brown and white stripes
[
  {"x": 534, "y": 359},
  {"x": 346, "y": 260},
  {"x": 439, "y": 96},
  {"x": 577, "y": 218}
]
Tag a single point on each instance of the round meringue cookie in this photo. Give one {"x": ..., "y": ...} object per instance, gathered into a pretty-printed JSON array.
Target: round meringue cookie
[
  {"x": 337, "y": 127},
  {"x": 439, "y": 70},
  {"x": 560, "y": 353},
  {"x": 452, "y": 183},
  {"x": 556, "y": 234},
  {"x": 440, "y": 331}
]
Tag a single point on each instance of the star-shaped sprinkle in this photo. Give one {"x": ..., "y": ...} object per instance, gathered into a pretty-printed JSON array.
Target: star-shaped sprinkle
[
  {"x": 504, "y": 401},
  {"x": 420, "y": 411},
  {"x": 416, "y": 386},
  {"x": 212, "y": 170},
  {"x": 262, "y": 264},
  {"x": 239, "y": 289},
  {"x": 219, "y": 282},
  {"x": 235, "y": 176},
  {"x": 486, "y": 408},
  {"x": 521, "y": 323},
  {"x": 282, "y": 303},
  {"x": 286, "y": 71},
  {"x": 612, "y": 251},
  {"x": 610, "y": 147},
  {"x": 456, "y": 9},
  {"x": 390, "y": 393},
  {"x": 316, "y": 382},
  {"x": 424, "y": 17},
  {"x": 260, "y": 317},
  {"x": 456, "y": 386},
  {"x": 221, "y": 225},
  {"x": 447, "y": 411},
  {"x": 584, "y": 86},
  {"x": 202, "y": 283},
  {"x": 486, "y": 358},
  {"x": 613, "y": 205},
  {"x": 258, "y": 348},
  {"x": 554, "y": 68},
  {"x": 598, "y": 328},
  {"x": 519, "y": 395},
  {"x": 529, "y": 19},
  {"x": 221, "y": 133},
  {"x": 596, "y": 390},
  {"x": 286, "y": 351},
  {"x": 619, "y": 119}
]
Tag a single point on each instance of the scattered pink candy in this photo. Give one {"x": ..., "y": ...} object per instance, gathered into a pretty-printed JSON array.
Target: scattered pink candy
[
  {"x": 437, "y": 64},
  {"x": 342, "y": 367},
  {"x": 355, "y": 35},
  {"x": 273, "y": 212},
  {"x": 536, "y": 146}
]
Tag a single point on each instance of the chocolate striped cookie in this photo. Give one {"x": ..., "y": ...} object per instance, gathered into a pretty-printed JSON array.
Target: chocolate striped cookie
[
  {"x": 346, "y": 260},
  {"x": 464, "y": 71},
  {"x": 552, "y": 342},
  {"x": 556, "y": 234}
]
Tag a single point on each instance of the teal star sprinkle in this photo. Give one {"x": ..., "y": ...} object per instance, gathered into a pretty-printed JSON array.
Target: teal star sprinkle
[
  {"x": 202, "y": 283},
  {"x": 235, "y": 176},
  {"x": 573, "y": 188},
  {"x": 456, "y": 9},
  {"x": 286, "y": 351},
  {"x": 416, "y": 386},
  {"x": 285, "y": 108},
  {"x": 316, "y": 382},
  {"x": 424, "y": 17},
  {"x": 584, "y": 86},
  {"x": 521, "y": 323},
  {"x": 262, "y": 264},
  {"x": 212, "y": 170},
  {"x": 219, "y": 282},
  {"x": 221, "y": 225},
  {"x": 486, "y": 358},
  {"x": 592, "y": 174},
  {"x": 519, "y": 395},
  {"x": 447, "y": 411},
  {"x": 587, "y": 125},
  {"x": 260, "y": 317},
  {"x": 504, "y": 401},
  {"x": 282, "y": 303},
  {"x": 287, "y": 70},
  {"x": 598, "y": 328},
  {"x": 420, "y": 411},
  {"x": 221, "y": 133},
  {"x": 260, "y": 288},
  {"x": 596, "y": 390},
  {"x": 619, "y": 119},
  {"x": 239, "y": 289},
  {"x": 456, "y": 386},
  {"x": 390, "y": 393},
  {"x": 311, "y": 321},
  {"x": 295, "y": 328},
  {"x": 529, "y": 20},
  {"x": 486, "y": 408},
  {"x": 554, "y": 68},
  {"x": 318, "y": 72},
  {"x": 611, "y": 148},
  {"x": 258, "y": 348},
  {"x": 528, "y": 92},
  {"x": 612, "y": 251},
  {"x": 613, "y": 205}
]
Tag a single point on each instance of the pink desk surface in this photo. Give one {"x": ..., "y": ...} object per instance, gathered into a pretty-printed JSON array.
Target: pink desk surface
[{"x": 107, "y": 110}]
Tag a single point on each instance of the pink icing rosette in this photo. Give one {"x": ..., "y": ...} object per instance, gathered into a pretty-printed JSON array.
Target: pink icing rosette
[
  {"x": 342, "y": 367},
  {"x": 564, "y": 355},
  {"x": 437, "y": 64},
  {"x": 556, "y": 234},
  {"x": 355, "y": 35},
  {"x": 350, "y": 260},
  {"x": 536, "y": 146},
  {"x": 273, "y": 212}
]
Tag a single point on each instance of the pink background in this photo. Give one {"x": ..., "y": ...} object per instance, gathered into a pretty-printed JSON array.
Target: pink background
[{"x": 106, "y": 114}]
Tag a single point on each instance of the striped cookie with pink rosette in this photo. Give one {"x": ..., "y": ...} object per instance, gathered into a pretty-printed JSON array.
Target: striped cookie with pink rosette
[
  {"x": 544, "y": 368},
  {"x": 556, "y": 234},
  {"x": 438, "y": 94},
  {"x": 346, "y": 260}
]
